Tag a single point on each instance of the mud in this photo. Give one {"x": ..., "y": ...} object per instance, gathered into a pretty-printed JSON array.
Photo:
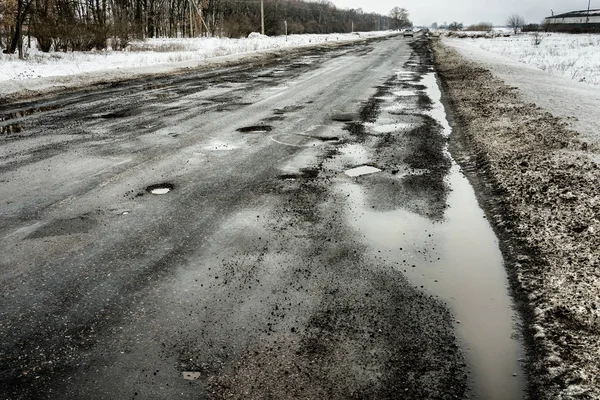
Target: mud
[{"x": 538, "y": 186}]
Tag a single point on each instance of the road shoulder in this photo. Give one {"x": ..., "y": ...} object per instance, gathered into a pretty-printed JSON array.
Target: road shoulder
[{"x": 537, "y": 180}]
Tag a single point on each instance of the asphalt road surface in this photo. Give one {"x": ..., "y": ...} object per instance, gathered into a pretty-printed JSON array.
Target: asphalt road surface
[{"x": 195, "y": 236}]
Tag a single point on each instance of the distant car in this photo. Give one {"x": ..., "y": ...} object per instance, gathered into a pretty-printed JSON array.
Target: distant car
[{"x": 408, "y": 32}]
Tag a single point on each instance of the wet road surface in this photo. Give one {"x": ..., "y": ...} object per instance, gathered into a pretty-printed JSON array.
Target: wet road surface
[{"x": 294, "y": 229}]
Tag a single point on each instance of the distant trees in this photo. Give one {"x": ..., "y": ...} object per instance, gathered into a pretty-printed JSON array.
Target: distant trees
[
  {"x": 515, "y": 22},
  {"x": 399, "y": 17},
  {"x": 455, "y": 26},
  {"x": 73, "y": 25},
  {"x": 481, "y": 27}
]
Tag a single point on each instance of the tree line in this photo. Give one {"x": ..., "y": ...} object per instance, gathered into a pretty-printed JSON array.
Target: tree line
[{"x": 79, "y": 25}]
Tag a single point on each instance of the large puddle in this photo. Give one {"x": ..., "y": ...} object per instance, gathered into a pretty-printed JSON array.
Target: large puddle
[{"x": 458, "y": 259}]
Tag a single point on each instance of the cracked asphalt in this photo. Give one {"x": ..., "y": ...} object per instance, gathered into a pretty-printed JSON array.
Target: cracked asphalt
[{"x": 245, "y": 278}]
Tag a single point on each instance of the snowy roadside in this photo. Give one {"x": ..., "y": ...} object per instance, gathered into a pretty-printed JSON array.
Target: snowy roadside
[
  {"x": 576, "y": 102},
  {"x": 41, "y": 73},
  {"x": 538, "y": 176},
  {"x": 575, "y": 57}
]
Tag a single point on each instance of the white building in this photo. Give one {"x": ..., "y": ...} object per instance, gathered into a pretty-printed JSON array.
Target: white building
[{"x": 574, "y": 21}]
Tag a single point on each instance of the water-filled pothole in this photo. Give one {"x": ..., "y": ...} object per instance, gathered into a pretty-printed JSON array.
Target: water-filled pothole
[
  {"x": 160, "y": 188},
  {"x": 256, "y": 129}
]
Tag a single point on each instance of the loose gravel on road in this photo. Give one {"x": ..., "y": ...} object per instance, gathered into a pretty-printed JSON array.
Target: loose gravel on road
[{"x": 539, "y": 186}]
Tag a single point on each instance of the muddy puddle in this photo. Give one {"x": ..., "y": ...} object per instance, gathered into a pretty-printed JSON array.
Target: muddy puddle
[{"x": 455, "y": 257}]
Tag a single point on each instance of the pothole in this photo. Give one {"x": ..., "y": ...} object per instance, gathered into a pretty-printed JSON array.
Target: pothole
[
  {"x": 405, "y": 93},
  {"x": 256, "y": 129},
  {"x": 160, "y": 188},
  {"x": 119, "y": 114},
  {"x": 9, "y": 129},
  {"x": 305, "y": 173},
  {"x": 328, "y": 138},
  {"x": 343, "y": 117},
  {"x": 362, "y": 170}
]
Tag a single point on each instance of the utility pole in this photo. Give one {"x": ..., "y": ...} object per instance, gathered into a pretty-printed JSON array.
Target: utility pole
[
  {"x": 588, "y": 13},
  {"x": 262, "y": 16},
  {"x": 285, "y": 23}
]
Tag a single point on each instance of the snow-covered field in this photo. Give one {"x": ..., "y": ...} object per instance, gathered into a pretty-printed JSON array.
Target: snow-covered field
[
  {"x": 573, "y": 56},
  {"x": 154, "y": 52}
]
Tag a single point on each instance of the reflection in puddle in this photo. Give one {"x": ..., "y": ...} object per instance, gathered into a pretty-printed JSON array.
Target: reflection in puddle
[
  {"x": 359, "y": 171},
  {"x": 458, "y": 260},
  {"x": 437, "y": 110}
]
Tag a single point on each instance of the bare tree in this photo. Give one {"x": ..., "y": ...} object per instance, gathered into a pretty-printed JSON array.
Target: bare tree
[
  {"x": 455, "y": 26},
  {"x": 515, "y": 22},
  {"x": 399, "y": 17}
]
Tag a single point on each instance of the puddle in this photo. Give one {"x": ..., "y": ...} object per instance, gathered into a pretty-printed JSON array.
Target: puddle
[
  {"x": 255, "y": 129},
  {"x": 359, "y": 171},
  {"x": 161, "y": 188},
  {"x": 436, "y": 110},
  {"x": 456, "y": 258},
  {"x": 10, "y": 129}
]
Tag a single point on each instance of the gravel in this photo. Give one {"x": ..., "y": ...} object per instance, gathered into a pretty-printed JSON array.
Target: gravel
[{"x": 537, "y": 182}]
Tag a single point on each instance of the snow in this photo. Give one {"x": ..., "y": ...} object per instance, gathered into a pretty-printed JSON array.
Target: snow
[
  {"x": 145, "y": 57},
  {"x": 573, "y": 56},
  {"x": 576, "y": 102}
]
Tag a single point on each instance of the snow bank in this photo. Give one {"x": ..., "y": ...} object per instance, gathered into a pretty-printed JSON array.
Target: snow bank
[{"x": 154, "y": 52}]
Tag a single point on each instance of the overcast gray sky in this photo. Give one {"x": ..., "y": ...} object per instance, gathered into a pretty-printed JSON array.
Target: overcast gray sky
[{"x": 425, "y": 12}]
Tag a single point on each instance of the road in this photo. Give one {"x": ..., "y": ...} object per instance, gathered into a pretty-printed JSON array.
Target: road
[{"x": 248, "y": 273}]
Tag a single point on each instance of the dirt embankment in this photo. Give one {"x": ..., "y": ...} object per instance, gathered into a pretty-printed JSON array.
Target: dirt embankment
[{"x": 539, "y": 186}]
